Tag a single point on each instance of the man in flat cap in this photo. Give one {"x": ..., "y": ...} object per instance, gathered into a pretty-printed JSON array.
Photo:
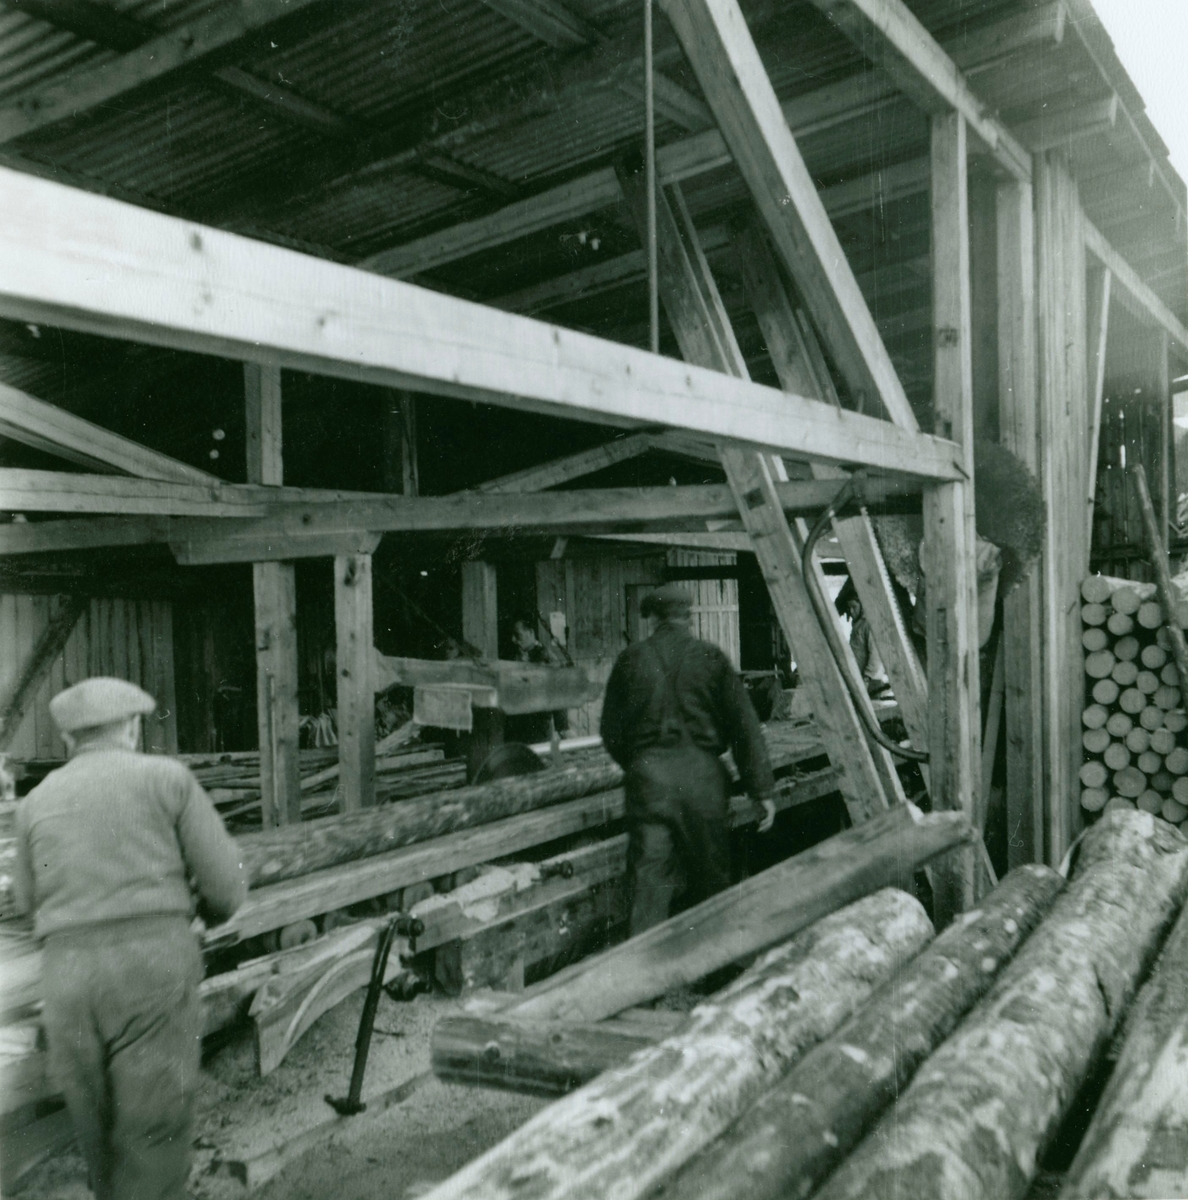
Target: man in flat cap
[
  {"x": 113, "y": 850},
  {"x": 673, "y": 705}
]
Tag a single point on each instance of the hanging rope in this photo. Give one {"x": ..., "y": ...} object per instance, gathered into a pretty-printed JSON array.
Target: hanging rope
[{"x": 650, "y": 156}]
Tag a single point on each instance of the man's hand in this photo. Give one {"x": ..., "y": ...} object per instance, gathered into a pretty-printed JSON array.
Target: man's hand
[{"x": 768, "y": 818}]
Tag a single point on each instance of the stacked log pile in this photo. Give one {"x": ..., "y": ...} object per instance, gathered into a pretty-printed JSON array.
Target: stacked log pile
[
  {"x": 1135, "y": 728},
  {"x": 893, "y": 1100}
]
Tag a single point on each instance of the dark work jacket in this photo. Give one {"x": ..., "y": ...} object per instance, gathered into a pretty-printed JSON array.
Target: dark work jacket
[{"x": 713, "y": 710}]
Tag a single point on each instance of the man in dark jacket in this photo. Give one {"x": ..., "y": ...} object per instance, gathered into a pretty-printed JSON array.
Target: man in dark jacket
[
  {"x": 673, "y": 705},
  {"x": 112, "y": 851}
]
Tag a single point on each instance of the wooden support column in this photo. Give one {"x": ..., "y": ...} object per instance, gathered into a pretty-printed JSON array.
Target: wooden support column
[
  {"x": 275, "y": 589},
  {"x": 698, "y": 317},
  {"x": 949, "y": 537},
  {"x": 356, "y": 680},
  {"x": 1063, "y": 438},
  {"x": 1098, "y": 304},
  {"x": 480, "y": 620},
  {"x": 400, "y": 443},
  {"x": 1023, "y": 608}
]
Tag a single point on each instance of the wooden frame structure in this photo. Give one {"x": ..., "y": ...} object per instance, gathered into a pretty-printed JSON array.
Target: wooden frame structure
[{"x": 100, "y": 265}]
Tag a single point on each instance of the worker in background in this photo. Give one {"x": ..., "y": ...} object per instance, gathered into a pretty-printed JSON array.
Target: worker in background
[
  {"x": 113, "y": 851},
  {"x": 673, "y": 705},
  {"x": 866, "y": 653},
  {"x": 533, "y": 727}
]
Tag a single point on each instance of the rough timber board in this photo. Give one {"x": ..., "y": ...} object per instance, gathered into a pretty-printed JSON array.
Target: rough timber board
[{"x": 90, "y": 263}]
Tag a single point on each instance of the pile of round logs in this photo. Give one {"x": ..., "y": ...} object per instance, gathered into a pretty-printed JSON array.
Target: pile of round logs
[{"x": 1136, "y": 749}]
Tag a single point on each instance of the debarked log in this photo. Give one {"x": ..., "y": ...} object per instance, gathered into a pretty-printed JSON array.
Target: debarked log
[
  {"x": 292, "y": 850},
  {"x": 618, "y": 1136},
  {"x": 981, "y": 1110},
  {"x": 838, "y": 1090},
  {"x": 1137, "y": 1142},
  {"x": 747, "y": 918}
]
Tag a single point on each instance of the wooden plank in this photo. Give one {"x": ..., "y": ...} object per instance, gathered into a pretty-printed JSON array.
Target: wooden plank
[
  {"x": 949, "y": 538},
  {"x": 33, "y": 422},
  {"x": 60, "y": 491},
  {"x": 181, "y": 46},
  {"x": 719, "y": 47},
  {"x": 480, "y": 608},
  {"x": 355, "y": 666},
  {"x": 1098, "y": 329},
  {"x": 1022, "y": 610},
  {"x": 1058, "y": 130},
  {"x": 697, "y": 315},
  {"x": 262, "y": 398},
  {"x": 401, "y": 467},
  {"x": 35, "y": 670},
  {"x": 1131, "y": 289},
  {"x": 893, "y": 38},
  {"x": 572, "y": 466},
  {"x": 56, "y": 265}
]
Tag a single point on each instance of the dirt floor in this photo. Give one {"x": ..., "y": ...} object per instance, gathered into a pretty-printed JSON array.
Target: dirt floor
[{"x": 399, "y": 1152}]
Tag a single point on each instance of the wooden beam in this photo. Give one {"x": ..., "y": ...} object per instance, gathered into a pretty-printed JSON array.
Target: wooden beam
[
  {"x": 572, "y": 466},
  {"x": 480, "y": 614},
  {"x": 164, "y": 287},
  {"x": 1018, "y": 421},
  {"x": 697, "y": 316},
  {"x": 59, "y": 491},
  {"x": 179, "y": 47},
  {"x": 949, "y": 536},
  {"x": 1132, "y": 291},
  {"x": 719, "y": 47},
  {"x": 36, "y": 668},
  {"x": 274, "y": 591},
  {"x": 1100, "y": 282},
  {"x": 355, "y": 665},
  {"x": 401, "y": 466},
  {"x": 1058, "y": 130},
  {"x": 297, "y": 527},
  {"x": 551, "y": 22},
  {"x": 893, "y": 37},
  {"x": 33, "y": 422}
]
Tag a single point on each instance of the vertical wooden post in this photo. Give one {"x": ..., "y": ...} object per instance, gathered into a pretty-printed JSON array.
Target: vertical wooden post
[
  {"x": 275, "y": 590},
  {"x": 356, "y": 680},
  {"x": 949, "y": 535},
  {"x": 1063, "y": 439},
  {"x": 480, "y": 622},
  {"x": 1098, "y": 305},
  {"x": 400, "y": 443},
  {"x": 1023, "y": 608},
  {"x": 1167, "y": 489}
]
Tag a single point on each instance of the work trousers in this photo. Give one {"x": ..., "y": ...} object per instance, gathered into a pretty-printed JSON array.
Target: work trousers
[
  {"x": 123, "y": 1023},
  {"x": 679, "y": 830}
]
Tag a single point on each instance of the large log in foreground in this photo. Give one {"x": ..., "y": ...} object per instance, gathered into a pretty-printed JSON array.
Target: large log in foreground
[
  {"x": 833, "y": 1096},
  {"x": 617, "y": 1137},
  {"x": 981, "y": 1110},
  {"x": 748, "y": 917},
  {"x": 1137, "y": 1143},
  {"x": 292, "y": 850}
]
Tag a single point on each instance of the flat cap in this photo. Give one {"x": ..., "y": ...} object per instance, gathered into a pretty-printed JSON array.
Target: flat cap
[
  {"x": 665, "y": 599},
  {"x": 98, "y": 701}
]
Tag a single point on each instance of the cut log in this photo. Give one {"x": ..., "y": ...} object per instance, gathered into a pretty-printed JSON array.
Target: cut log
[
  {"x": 1105, "y": 691},
  {"x": 748, "y": 917},
  {"x": 1119, "y": 624},
  {"x": 1137, "y": 1143},
  {"x": 293, "y": 850},
  {"x": 1094, "y": 640},
  {"x": 1094, "y": 717},
  {"x": 620, "y": 1135},
  {"x": 538, "y": 1059},
  {"x": 975, "y": 1118},
  {"x": 1163, "y": 583},
  {"x": 837, "y": 1091},
  {"x": 1126, "y": 649},
  {"x": 1123, "y": 674}
]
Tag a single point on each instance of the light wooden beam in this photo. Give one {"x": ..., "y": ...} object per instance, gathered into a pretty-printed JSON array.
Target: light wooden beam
[
  {"x": 33, "y": 422},
  {"x": 300, "y": 524},
  {"x": 182, "y": 46},
  {"x": 355, "y": 667},
  {"x": 274, "y": 591},
  {"x": 173, "y": 283},
  {"x": 480, "y": 608},
  {"x": 572, "y": 466},
  {"x": 1100, "y": 286},
  {"x": 719, "y": 47},
  {"x": 1132, "y": 291},
  {"x": 949, "y": 535},
  {"x": 1059, "y": 130},
  {"x": 1018, "y": 421},
  {"x": 890, "y": 34},
  {"x": 698, "y": 318}
]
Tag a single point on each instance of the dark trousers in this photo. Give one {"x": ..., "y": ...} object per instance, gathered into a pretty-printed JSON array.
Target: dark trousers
[
  {"x": 123, "y": 1024},
  {"x": 679, "y": 830}
]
